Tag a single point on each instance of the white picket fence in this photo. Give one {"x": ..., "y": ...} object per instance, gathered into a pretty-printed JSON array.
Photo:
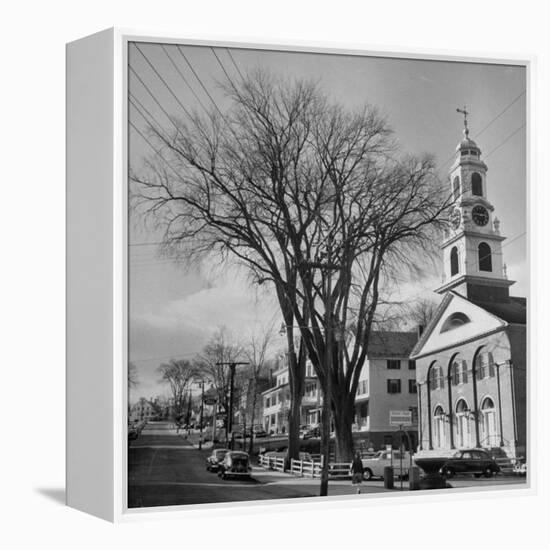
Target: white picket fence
[
  {"x": 273, "y": 462},
  {"x": 305, "y": 468}
]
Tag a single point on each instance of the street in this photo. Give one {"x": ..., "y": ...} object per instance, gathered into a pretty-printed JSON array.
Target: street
[{"x": 166, "y": 469}]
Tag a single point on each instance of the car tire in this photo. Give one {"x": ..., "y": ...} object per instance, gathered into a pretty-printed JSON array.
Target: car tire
[
  {"x": 367, "y": 474},
  {"x": 488, "y": 472}
]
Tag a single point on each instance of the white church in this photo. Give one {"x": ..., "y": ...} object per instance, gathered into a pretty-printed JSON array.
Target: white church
[{"x": 471, "y": 364}]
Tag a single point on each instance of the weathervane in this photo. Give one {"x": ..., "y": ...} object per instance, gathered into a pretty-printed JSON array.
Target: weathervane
[{"x": 465, "y": 113}]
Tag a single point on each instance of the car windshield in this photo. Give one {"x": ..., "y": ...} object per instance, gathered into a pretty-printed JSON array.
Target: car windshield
[
  {"x": 220, "y": 454},
  {"x": 379, "y": 454}
]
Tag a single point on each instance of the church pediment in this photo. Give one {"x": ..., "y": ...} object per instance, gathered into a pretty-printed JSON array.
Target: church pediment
[{"x": 456, "y": 320}]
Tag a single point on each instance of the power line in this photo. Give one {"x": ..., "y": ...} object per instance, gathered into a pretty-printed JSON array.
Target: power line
[
  {"x": 503, "y": 142},
  {"x": 199, "y": 79},
  {"x": 223, "y": 68},
  {"x": 235, "y": 64},
  {"x": 489, "y": 124},
  {"x": 139, "y": 107},
  {"x": 157, "y": 152},
  {"x": 183, "y": 77},
  {"x": 161, "y": 78},
  {"x": 153, "y": 96},
  {"x": 499, "y": 115}
]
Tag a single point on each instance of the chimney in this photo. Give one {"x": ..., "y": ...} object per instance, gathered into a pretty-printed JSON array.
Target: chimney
[{"x": 420, "y": 331}]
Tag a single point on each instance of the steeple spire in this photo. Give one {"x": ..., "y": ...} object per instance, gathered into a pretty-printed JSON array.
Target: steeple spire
[{"x": 465, "y": 113}]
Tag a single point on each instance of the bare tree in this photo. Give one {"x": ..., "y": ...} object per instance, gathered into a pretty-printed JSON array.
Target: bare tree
[
  {"x": 309, "y": 197},
  {"x": 255, "y": 350},
  {"x": 422, "y": 312},
  {"x": 178, "y": 375},
  {"x": 133, "y": 378},
  {"x": 220, "y": 350}
]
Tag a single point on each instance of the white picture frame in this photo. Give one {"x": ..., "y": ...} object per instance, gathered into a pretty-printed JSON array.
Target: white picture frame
[{"x": 97, "y": 271}]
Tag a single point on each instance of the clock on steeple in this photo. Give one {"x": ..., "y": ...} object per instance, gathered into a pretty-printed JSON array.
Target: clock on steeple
[{"x": 472, "y": 249}]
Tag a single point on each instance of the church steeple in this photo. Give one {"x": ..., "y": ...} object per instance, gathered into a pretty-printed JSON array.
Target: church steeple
[{"x": 472, "y": 249}]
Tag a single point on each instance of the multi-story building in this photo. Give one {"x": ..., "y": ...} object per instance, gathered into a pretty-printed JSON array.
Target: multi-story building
[
  {"x": 471, "y": 359},
  {"x": 276, "y": 400},
  {"x": 387, "y": 383}
]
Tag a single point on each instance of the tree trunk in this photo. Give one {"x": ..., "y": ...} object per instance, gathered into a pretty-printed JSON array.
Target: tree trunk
[{"x": 343, "y": 414}]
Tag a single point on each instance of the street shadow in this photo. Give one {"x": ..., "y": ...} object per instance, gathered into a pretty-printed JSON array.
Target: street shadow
[{"x": 57, "y": 494}]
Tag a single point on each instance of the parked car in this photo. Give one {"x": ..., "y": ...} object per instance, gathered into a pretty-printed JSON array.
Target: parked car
[
  {"x": 133, "y": 432},
  {"x": 309, "y": 432},
  {"x": 470, "y": 461},
  {"x": 374, "y": 466},
  {"x": 259, "y": 431},
  {"x": 235, "y": 464},
  {"x": 520, "y": 468},
  {"x": 214, "y": 460}
]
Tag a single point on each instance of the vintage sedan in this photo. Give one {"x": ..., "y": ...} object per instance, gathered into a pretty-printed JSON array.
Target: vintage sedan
[
  {"x": 235, "y": 464},
  {"x": 213, "y": 461},
  {"x": 470, "y": 461},
  {"x": 374, "y": 466}
]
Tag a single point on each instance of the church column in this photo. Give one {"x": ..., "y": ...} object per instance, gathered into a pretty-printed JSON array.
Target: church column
[
  {"x": 476, "y": 405},
  {"x": 451, "y": 431},
  {"x": 419, "y": 393},
  {"x": 430, "y": 446},
  {"x": 499, "y": 404}
]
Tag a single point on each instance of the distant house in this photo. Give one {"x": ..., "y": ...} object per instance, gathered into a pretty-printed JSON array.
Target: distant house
[
  {"x": 143, "y": 410},
  {"x": 276, "y": 400},
  {"x": 387, "y": 382}
]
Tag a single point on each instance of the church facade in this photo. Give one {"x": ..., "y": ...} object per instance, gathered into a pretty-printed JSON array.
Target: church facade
[{"x": 471, "y": 361}]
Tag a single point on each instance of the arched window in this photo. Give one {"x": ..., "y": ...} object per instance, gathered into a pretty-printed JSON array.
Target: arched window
[
  {"x": 456, "y": 188},
  {"x": 454, "y": 261},
  {"x": 462, "y": 424},
  {"x": 439, "y": 425},
  {"x": 484, "y": 256},
  {"x": 455, "y": 320},
  {"x": 436, "y": 377},
  {"x": 477, "y": 187},
  {"x": 459, "y": 371},
  {"x": 488, "y": 421},
  {"x": 484, "y": 365}
]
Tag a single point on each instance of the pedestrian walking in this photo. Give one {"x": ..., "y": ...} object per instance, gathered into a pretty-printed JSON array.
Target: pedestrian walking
[{"x": 356, "y": 471}]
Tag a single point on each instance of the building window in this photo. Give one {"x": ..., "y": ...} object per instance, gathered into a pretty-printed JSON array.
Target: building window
[
  {"x": 412, "y": 386},
  {"x": 393, "y": 364},
  {"x": 485, "y": 365},
  {"x": 364, "y": 410},
  {"x": 454, "y": 261},
  {"x": 459, "y": 371},
  {"x": 436, "y": 378},
  {"x": 394, "y": 385},
  {"x": 363, "y": 387},
  {"x": 412, "y": 365},
  {"x": 484, "y": 255},
  {"x": 455, "y": 320},
  {"x": 477, "y": 187},
  {"x": 456, "y": 188}
]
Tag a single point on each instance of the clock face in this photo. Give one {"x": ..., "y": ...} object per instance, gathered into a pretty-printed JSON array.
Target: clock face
[
  {"x": 480, "y": 215},
  {"x": 455, "y": 218}
]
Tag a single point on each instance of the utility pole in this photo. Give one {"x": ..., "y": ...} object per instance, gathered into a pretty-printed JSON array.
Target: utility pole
[
  {"x": 202, "y": 410},
  {"x": 232, "y": 365},
  {"x": 329, "y": 267}
]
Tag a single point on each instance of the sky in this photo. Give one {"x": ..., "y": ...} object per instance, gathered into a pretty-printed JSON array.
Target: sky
[{"x": 173, "y": 309}]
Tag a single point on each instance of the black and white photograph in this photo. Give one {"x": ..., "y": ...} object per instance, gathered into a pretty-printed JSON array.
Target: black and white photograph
[{"x": 327, "y": 274}]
